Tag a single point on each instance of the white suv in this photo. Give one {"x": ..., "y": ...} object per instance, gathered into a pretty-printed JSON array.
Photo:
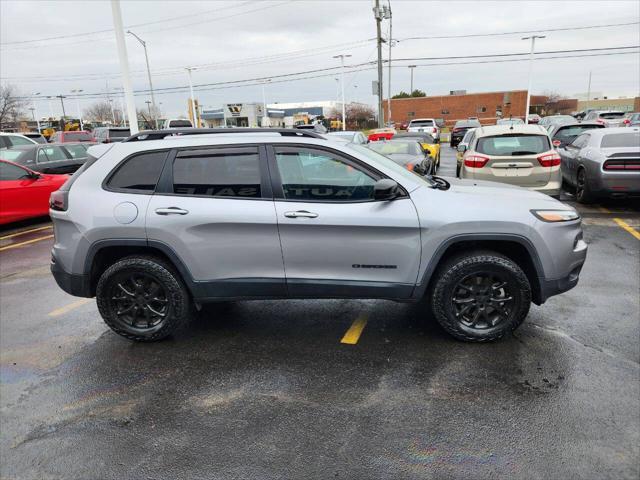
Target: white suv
[{"x": 427, "y": 125}]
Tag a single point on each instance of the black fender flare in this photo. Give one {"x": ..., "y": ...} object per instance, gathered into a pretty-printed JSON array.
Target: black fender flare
[{"x": 421, "y": 288}]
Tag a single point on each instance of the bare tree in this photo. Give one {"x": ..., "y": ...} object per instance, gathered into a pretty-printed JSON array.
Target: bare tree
[
  {"x": 99, "y": 112},
  {"x": 12, "y": 105},
  {"x": 360, "y": 115},
  {"x": 149, "y": 116}
]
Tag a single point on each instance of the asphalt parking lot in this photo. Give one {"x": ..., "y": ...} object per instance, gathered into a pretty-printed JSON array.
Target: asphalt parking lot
[{"x": 269, "y": 389}]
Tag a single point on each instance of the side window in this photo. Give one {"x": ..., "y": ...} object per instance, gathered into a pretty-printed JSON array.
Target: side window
[
  {"x": 11, "y": 172},
  {"x": 139, "y": 174},
  {"x": 314, "y": 175},
  {"x": 581, "y": 141},
  {"x": 16, "y": 140},
  {"x": 51, "y": 154},
  {"x": 221, "y": 172}
]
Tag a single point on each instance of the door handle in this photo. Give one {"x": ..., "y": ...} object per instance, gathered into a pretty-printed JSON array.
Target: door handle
[
  {"x": 300, "y": 214},
  {"x": 171, "y": 211}
]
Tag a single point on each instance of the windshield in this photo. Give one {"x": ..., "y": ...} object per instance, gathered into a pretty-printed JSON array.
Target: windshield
[
  {"x": 513, "y": 145},
  {"x": 509, "y": 121},
  {"x": 617, "y": 140},
  {"x": 179, "y": 123},
  {"x": 467, "y": 135},
  {"x": 394, "y": 148},
  {"x": 467, "y": 124},
  {"x": 569, "y": 133},
  {"x": 422, "y": 137},
  {"x": 376, "y": 158},
  {"x": 119, "y": 133}
]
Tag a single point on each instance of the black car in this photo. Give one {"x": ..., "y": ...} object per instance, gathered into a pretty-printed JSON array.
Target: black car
[
  {"x": 50, "y": 158},
  {"x": 460, "y": 128},
  {"x": 564, "y": 133},
  {"x": 111, "y": 134},
  {"x": 408, "y": 154}
]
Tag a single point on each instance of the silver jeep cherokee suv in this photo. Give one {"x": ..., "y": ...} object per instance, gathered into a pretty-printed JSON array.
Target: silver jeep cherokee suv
[{"x": 157, "y": 225}]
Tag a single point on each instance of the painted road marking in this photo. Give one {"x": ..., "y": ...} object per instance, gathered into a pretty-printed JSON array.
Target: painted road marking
[
  {"x": 16, "y": 245},
  {"x": 604, "y": 210},
  {"x": 67, "y": 308},
  {"x": 627, "y": 227},
  {"x": 24, "y": 232},
  {"x": 355, "y": 330}
]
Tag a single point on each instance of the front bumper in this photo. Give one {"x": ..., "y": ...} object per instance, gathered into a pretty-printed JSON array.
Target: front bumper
[
  {"x": 574, "y": 263},
  {"x": 73, "y": 284}
]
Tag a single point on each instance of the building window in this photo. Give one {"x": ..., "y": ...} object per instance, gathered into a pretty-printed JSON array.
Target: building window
[
  {"x": 411, "y": 114},
  {"x": 482, "y": 109}
]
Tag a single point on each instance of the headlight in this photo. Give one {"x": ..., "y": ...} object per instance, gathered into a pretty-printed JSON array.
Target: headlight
[{"x": 556, "y": 215}]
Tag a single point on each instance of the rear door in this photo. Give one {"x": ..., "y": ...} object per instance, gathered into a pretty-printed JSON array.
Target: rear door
[
  {"x": 513, "y": 159},
  {"x": 336, "y": 239},
  {"x": 214, "y": 208}
]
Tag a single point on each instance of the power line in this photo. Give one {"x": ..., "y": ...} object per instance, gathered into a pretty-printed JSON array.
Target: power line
[
  {"x": 110, "y": 30},
  {"x": 352, "y": 69}
]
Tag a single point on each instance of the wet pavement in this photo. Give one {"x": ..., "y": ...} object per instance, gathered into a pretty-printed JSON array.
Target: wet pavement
[{"x": 266, "y": 389}]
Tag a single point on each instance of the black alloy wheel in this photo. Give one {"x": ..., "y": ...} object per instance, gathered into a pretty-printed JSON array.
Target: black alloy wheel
[
  {"x": 482, "y": 300},
  {"x": 583, "y": 193},
  {"x": 139, "y": 300}
]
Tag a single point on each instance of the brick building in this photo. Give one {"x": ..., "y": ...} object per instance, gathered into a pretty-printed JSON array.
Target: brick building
[{"x": 486, "y": 106}]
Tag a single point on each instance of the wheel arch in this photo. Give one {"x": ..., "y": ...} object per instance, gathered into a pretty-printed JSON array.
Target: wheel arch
[
  {"x": 104, "y": 253},
  {"x": 515, "y": 247}
]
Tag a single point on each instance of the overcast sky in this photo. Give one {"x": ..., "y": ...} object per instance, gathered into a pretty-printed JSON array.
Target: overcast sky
[{"x": 239, "y": 40}]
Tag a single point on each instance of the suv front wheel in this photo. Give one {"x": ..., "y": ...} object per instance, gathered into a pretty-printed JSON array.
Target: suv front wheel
[
  {"x": 480, "y": 296},
  {"x": 142, "y": 298}
]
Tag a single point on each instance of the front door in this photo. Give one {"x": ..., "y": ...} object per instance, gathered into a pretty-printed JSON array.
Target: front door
[
  {"x": 214, "y": 208},
  {"x": 337, "y": 241}
]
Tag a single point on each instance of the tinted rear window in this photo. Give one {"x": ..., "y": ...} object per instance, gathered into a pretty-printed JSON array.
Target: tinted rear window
[
  {"x": 139, "y": 173},
  {"x": 617, "y": 140},
  {"x": 611, "y": 115},
  {"x": 421, "y": 123},
  {"x": 467, "y": 124},
  {"x": 78, "y": 137},
  {"x": 513, "y": 145},
  {"x": 119, "y": 133},
  {"x": 179, "y": 123}
]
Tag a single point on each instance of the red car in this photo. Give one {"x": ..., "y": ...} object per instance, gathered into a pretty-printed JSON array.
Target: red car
[
  {"x": 381, "y": 134},
  {"x": 77, "y": 136},
  {"x": 25, "y": 193}
]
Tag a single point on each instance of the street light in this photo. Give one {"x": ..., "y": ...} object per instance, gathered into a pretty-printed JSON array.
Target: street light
[
  {"x": 193, "y": 102},
  {"x": 342, "y": 57},
  {"x": 35, "y": 108},
  {"x": 146, "y": 57},
  {"x": 533, "y": 44},
  {"x": 411, "y": 67},
  {"x": 264, "y": 102},
  {"x": 78, "y": 107}
]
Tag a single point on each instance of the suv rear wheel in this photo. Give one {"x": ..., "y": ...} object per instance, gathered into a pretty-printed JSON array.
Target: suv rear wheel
[
  {"x": 142, "y": 298},
  {"x": 480, "y": 296}
]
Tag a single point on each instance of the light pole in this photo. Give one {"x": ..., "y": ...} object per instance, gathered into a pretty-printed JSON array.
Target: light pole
[
  {"x": 122, "y": 106},
  {"x": 193, "y": 102},
  {"x": 146, "y": 58},
  {"x": 411, "y": 67},
  {"x": 62, "y": 97},
  {"x": 533, "y": 44},
  {"x": 391, "y": 44},
  {"x": 264, "y": 102},
  {"x": 589, "y": 89},
  {"x": 342, "y": 57},
  {"x": 78, "y": 108},
  {"x": 124, "y": 65},
  {"x": 378, "y": 14},
  {"x": 148, "y": 102},
  {"x": 35, "y": 108}
]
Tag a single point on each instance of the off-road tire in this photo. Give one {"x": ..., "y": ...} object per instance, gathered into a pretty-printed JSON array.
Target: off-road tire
[
  {"x": 180, "y": 308},
  {"x": 459, "y": 267}
]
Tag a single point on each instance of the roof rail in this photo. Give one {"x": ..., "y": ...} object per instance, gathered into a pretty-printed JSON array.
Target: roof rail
[{"x": 160, "y": 134}]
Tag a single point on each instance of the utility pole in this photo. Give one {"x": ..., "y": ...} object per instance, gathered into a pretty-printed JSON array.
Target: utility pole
[
  {"x": 378, "y": 14},
  {"x": 391, "y": 43},
  {"x": 344, "y": 118},
  {"x": 411, "y": 67},
  {"x": 264, "y": 103},
  {"x": 146, "y": 58},
  {"x": 78, "y": 108},
  {"x": 533, "y": 44},
  {"x": 124, "y": 66},
  {"x": 193, "y": 102},
  {"x": 62, "y": 97},
  {"x": 148, "y": 102},
  {"x": 589, "y": 89}
]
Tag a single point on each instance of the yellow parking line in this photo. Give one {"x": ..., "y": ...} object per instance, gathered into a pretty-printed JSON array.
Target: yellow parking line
[
  {"x": 16, "y": 245},
  {"x": 24, "y": 232},
  {"x": 67, "y": 308},
  {"x": 604, "y": 209},
  {"x": 627, "y": 227},
  {"x": 355, "y": 330}
]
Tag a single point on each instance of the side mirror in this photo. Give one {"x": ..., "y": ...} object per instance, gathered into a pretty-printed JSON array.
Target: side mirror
[
  {"x": 462, "y": 148},
  {"x": 386, "y": 189}
]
